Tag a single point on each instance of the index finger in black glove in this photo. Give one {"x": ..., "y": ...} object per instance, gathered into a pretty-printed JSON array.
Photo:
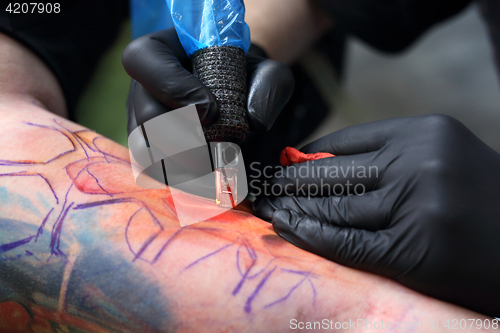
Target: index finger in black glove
[
  {"x": 270, "y": 86},
  {"x": 357, "y": 139},
  {"x": 356, "y": 211},
  {"x": 334, "y": 175},
  {"x": 358, "y": 248}
]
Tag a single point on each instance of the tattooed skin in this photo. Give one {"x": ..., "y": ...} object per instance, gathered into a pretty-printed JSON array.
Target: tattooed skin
[{"x": 83, "y": 249}]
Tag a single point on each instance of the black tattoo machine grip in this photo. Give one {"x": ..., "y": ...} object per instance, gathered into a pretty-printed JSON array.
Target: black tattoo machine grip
[{"x": 223, "y": 70}]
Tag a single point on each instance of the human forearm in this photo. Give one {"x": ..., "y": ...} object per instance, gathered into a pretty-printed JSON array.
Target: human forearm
[
  {"x": 94, "y": 251},
  {"x": 23, "y": 73}
]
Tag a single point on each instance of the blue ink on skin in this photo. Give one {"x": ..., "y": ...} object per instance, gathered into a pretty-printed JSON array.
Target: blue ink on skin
[
  {"x": 7, "y": 198},
  {"x": 43, "y": 201},
  {"x": 88, "y": 234}
]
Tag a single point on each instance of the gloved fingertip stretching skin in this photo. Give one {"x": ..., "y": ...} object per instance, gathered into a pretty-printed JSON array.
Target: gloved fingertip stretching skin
[
  {"x": 429, "y": 215},
  {"x": 161, "y": 68}
]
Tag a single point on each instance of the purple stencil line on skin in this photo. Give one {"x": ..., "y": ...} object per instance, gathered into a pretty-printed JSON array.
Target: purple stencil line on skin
[
  {"x": 112, "y": 159},
  {"x": 126, "y": 231},
  {"x": 238, "y": 260},
  {"x": 98, "y": 149},
  {"x": 12, "y": 174},
  {"x": 245, "y": 275},
  {"x": 262, "y": 270},
  {"x": 57, "y": 221},
  {"x": 98, "y": 184},
  {"x": 66, "y": 135},
  {"x": 284, "y": 298},
  {"x": 77, "y": 140},
  {"x": 51, "y": 189},
  {"x": 61, "y": 155},
  {"x": 153, "y": 217},
  {"x": 303, "y": 273},
  {"x": 40, "y": 230},
  {"x": 56, "y": 234},
  {"x": 61, "y": 125},
  {"x": 58, "y": 224},
  {"x": 10, "y": 246},
  {"x": 38, "y": 125},
  {"x": 105, "y": 202},
  {"x": 7, "y": 162},
  {"x": 146, "y": 245},
  {"x": 207, "y": 256},
  {"x": 78, "y": 137},
  {"x": 24, "y": 174},
  {"x": 57, "y": 130},
  {"x": 107, "y": 154},
  {"x": 249, "y": 248},
  {"x": 170, "y": 210},
  {"x": 403, "y": 313},
  {"x": 314, "y": 291},
  {"x": 167, "y": 243},
  {"x": 96, "y": 160},
  {"x": 30, "y": 254},
  {"x": 67, "y": 193},
  {"x": 85, "y": 168},
  {"x": 248, "y": 304},
  {"x": 208, "y": 229}
]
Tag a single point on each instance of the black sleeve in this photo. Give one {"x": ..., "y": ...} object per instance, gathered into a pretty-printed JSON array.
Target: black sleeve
[
  {"x": 390, "y": 25},
  {"x": 491, "y": 13},
  {"x": 71, "y": 42}
]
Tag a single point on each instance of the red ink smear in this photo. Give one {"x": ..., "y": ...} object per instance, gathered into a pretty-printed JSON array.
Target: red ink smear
[
  {"x": 199, "y": 205},
  {"x": 13, "y": 318},
  {"x": 291, "y": 156},
  {"x": 65, "y": 319}
]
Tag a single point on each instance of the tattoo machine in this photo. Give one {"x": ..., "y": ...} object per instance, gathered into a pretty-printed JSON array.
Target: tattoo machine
[{"x": 216, "y": 38}]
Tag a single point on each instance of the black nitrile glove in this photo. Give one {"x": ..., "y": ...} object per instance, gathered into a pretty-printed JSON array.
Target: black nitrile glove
[
  {"x": 430, "y": 217},
  {"x": 162, "y": 81}
]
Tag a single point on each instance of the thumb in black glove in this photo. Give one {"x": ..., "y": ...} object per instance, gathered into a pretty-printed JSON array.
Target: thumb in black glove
[{"x": 429, "y": 215}]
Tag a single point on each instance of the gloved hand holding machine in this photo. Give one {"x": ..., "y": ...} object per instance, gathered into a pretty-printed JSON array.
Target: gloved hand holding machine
[{"x": 208, "y": 51}]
